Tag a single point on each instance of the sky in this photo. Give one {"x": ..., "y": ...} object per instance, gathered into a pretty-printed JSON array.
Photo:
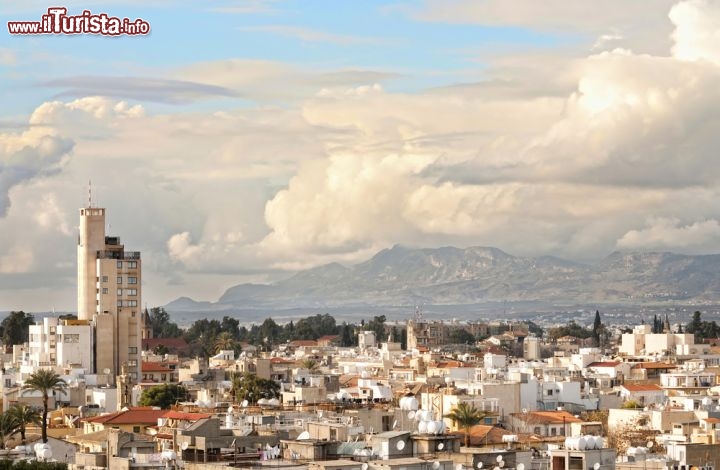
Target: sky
[{"x": 242, "y": 140}]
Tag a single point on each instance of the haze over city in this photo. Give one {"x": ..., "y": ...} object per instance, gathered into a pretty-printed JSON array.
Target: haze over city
[{"x": 241, "y": 141}]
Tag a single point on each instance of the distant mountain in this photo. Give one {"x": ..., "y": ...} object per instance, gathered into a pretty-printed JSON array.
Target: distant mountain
[{"x": 455, "y": 276}]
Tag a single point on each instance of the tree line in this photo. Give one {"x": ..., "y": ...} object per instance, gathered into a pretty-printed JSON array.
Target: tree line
[{"x": 207, "y": 336}]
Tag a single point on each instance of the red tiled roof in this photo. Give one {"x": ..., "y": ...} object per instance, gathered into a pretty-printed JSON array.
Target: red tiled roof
[
  {"x": 711, "y": 420},
  {"x": 604, "y": 364},
  {"x": 303, "y": 342},
  {"x": 184, "y": 416},
  {"x": 132, "y": 416},
  {"x": 642, "y": 387},
  {"x": 280, "y": 360},
  {"x": 655, "y": 365},
  {"x": 155, "y": 367},
  {"x": 547, "y": 417}
]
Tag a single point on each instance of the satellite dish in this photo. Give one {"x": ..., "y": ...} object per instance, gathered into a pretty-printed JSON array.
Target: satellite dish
[
  {"x": 364, "y": 466},
  {"x": 184, "y": 446},
  {"x": 441, "y": 446},
  {"x": 479, "y": 465},
  {"x": 596, "y": 466},
  {"x": 520, "y": 466},
  {"x": 524, "y": 410},
  {"x": 244, "y": 403},
  {"x": 411, "y": 415},
  {"x": 435, "y": 465},
  {"x": 303, "y": 435},
  {"x": 106, "y": 371},
  {"x": 650, "y": 444},
  {"x": 498, "y": 458},
  {"x": 400, "y": 445}
]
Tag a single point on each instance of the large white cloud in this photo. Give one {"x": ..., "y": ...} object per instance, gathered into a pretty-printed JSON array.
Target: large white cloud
[{"x": 547, "y": 156}]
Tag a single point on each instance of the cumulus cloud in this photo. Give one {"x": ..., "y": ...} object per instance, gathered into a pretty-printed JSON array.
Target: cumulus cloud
[
  {"x": 663, "y": 233},
  {"x": 29, "y": 154},
  {"x": 697, "y": 30}
]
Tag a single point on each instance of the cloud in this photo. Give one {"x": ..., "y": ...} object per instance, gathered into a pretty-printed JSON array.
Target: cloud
[
  {"x": 29, "y": 154},
  {"x": 137, "y": 88},
  {"x": 312, "y": 35},
  {"x": 664, "y": 233},
  {"x": 635, "y": 24},
  {"x": 696, "y": 35}
]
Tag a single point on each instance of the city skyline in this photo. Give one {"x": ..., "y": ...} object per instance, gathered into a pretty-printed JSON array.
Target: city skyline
[{"x": 242, "y": 140}]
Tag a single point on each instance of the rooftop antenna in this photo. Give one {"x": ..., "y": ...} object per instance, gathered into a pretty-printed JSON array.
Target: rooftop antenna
[{"x": 89, "y": 193}]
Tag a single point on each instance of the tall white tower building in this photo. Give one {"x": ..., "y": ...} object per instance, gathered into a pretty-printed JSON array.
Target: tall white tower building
[{"x": 109, "y": 295}]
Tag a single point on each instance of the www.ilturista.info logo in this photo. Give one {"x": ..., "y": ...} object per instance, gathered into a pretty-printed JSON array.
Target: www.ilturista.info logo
[{"x": 57, "y": 21}]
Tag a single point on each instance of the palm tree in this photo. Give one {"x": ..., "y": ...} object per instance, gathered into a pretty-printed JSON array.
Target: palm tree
[
  {"x": 8, "y": 427},
  {"x": 44, "y": 381},
  {"x": 24, "y": 415},
  {"x": 224, "y": 342},
  {"x": 465, "y": 415},
  {"x": 310, "y": 364}
]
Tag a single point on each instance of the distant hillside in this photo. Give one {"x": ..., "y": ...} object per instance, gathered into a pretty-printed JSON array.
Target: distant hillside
[{"x": 455, "y": 276}]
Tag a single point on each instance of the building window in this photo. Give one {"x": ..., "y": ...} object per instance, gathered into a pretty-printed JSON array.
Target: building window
[
  {"x": 119, "y": 303},
  {"x": 163, "y": 377},
  {"x": 130, "y": 291},
  {"x": 132, "y": 363},
  {"x": 119, "y": 280},
  {"x": 71, "y": 338},
  {"x": 105, "y": 290},
  {"x": 132, "y": 314},
  {"x": 119, "y": 264},
  {"x": 136, "y": 429},
  {"x": 132, "y": 264},
  {"x": 104, "y": 279},
  {"x": 132, "y": 280},
  {"x": 119, "y": 292},
  {"x": 132, "y": 350}
]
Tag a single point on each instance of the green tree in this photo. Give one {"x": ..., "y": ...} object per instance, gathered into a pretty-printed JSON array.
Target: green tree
[
  {"x": 8, "y": 427},
  {"x": 161, "y": 325},
  {"x": 14, "y": 329},
  {"x": 226, "y": 342},
  {"x": 695, "y": 324},
  {"x": 377, "y": 324},
  {"x": 250, "y": 387},
  {"x": 24, "y": 415},
  {"x": 164, "y": 396},
  {"x": 460, "y": 336},
  {"x": 310, "y": 364},
  {"x": 44, "y": 381},
  {"x": 597, "y": 328},
  {"x": 466, "y": 415},
  {"x": 346, "y": 336}
]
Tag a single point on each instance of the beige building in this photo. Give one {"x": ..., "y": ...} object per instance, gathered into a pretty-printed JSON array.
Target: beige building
[{"x": 109, "y": 295}]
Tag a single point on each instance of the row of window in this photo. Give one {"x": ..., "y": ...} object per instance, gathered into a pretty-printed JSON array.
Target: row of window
[
  {"x": 128, "y": 292},
  {"x": 130, "y": 279},
  {"x": 128, "y": 264},
  {"x": 127, "y": 303}
]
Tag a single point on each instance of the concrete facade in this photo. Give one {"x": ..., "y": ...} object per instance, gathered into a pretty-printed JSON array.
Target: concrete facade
[{"x": 109, "y": 295}]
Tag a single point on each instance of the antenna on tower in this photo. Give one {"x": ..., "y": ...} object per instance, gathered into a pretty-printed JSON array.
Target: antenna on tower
[{"x": 89, "y": 193}]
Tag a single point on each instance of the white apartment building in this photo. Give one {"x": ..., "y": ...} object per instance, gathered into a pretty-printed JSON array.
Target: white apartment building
[
  {"x": 60, "y": 343},
  {"x": 642, "y": 342},
  {"x": 109, "y": 295}
]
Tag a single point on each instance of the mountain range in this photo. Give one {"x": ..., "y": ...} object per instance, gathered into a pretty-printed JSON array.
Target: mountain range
[{"x": 401, "y": 276}]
